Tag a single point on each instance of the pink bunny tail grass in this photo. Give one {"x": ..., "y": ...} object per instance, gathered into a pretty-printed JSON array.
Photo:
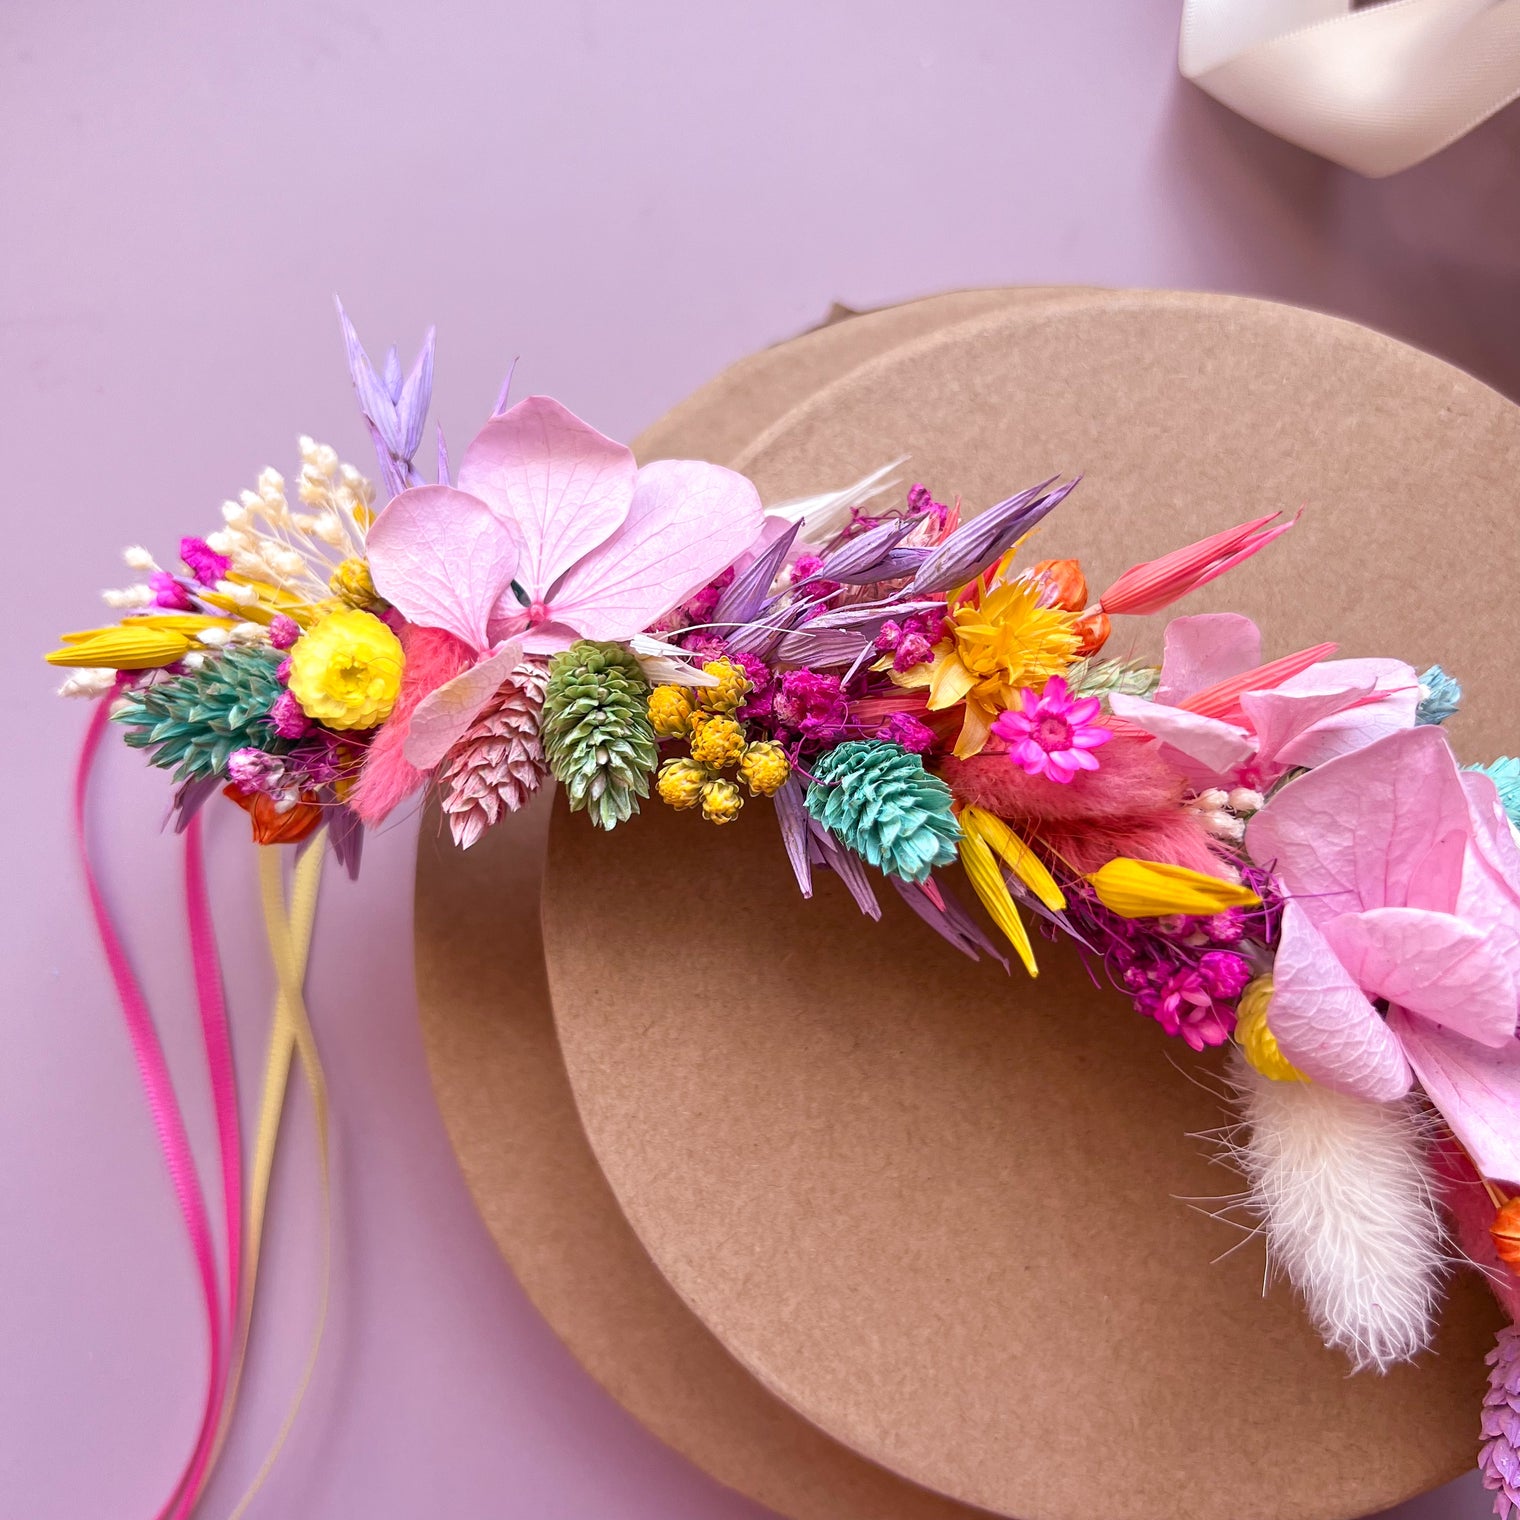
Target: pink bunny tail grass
[
  {"x": 1131, "y": 782},
  {"x": 388, "y": 778},
  {"x": 1131, "y": 805},
  {"x": 1470, "y": 1211}
]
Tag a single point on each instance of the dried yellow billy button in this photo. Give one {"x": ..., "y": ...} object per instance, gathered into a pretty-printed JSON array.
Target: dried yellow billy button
[
  {"x": 1257, "y": 1042},
  {"x": 718, "y": 741}
]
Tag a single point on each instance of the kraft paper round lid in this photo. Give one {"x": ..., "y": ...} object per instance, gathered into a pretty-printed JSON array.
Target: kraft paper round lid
[
  {"x": 941, "y": 1211},
  {"x": 501, "y": 1085}
]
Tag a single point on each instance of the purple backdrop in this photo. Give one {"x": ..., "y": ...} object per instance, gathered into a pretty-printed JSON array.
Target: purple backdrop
[{"x": 629, "y": 196}]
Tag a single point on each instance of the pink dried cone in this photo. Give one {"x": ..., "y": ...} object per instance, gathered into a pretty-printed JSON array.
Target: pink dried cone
[{"x": 499, "y": 763}]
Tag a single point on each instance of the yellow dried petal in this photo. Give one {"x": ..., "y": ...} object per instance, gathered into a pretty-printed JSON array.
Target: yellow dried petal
[
  {"x": 1149, "y": 889},
  {"x": 1026, "y": 865},
  {"x": 129, "y": 646},
  {"x": 981, "y": 868}
]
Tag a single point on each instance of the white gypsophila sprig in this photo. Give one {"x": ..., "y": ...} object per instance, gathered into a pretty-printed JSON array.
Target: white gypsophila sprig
[
  {"x": 297, "y": 551},
  {"x": 1343, "y": 1193}
]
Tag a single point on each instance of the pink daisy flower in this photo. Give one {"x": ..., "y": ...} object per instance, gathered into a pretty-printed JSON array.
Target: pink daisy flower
[{"x": 1052, "y": 734}]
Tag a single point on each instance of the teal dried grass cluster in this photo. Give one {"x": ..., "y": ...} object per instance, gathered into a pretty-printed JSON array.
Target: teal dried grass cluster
[
  {"x": 596, "y": 732},
  {"x": 191, "y": 723},
  {"x": 878, "y": 800}
]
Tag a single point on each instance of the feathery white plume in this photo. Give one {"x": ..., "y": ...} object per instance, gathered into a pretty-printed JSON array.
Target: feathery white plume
[
  {"x": 1347, "y": 1201},
  {"x": 828, "y": 513}
]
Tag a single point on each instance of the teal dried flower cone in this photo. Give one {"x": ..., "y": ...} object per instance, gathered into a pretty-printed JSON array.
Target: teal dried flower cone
[
  {"x": 879, "y": 801},
  {"x": 596, "y": 732},
  {"x": 191, "y": 723}
]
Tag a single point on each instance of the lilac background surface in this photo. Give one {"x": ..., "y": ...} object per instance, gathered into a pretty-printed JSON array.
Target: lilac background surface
[{"x": 629, "y": 196}]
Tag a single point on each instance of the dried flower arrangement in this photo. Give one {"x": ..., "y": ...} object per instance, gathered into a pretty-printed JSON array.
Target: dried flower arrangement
[{"x": 1283, "y": 854}]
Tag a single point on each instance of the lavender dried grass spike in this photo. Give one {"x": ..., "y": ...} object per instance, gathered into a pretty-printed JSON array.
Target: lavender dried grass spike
[
  {"x": 1499, "y": 1455},
  {"x": 952, "y": 922},
  {"x": 976, "y": 544},
  {"x": 859, "y": 555},
  {"x": 747, "y": 593},
  {"x": 792, "y": 815},
  {"x": 345, "y": 833},
  {"x": 506, "y": 391},
  {"x": 444, "y": 478},
  {"x": 825, "y": 850},
  {"x": 395, "y": 408},
  {"x": 825, "y": 648}
]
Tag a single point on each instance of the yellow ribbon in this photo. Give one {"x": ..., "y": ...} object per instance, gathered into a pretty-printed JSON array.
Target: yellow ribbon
[{"x": 288, "y": 927}]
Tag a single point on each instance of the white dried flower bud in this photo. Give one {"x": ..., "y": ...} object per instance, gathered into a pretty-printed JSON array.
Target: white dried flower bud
[
  {"x": 88, "y": 683},
  {"x": 195, "y": 660},
  {"x": 251, "y": 500},
  {"x": 236, "y": 515},
  {"x": 214, "y": 637},
  {"x": 222, "y": 542},
  {"x": 235, "y": 591},
  {"x": 271, "y": 484},
  {"x": 138, "y": 558},
  {"x": 327, "y": 459},
  {"x": 248, "y": 633},
  {"x": 308, "y": 447},
  {"x": 1244, "y": 800},
  {"x": 329, "y": 529},
  {"x": 128, "y": 597},
  {"x": 1213, "y": 798}
]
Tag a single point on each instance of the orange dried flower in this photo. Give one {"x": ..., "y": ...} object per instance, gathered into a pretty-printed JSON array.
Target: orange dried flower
[
  {"x": 1093, "y": 630},
  {"x": 1506, "y": 1233},
  {"x": 1070, "y": 585},
  {"x": 271, "y": 826}
]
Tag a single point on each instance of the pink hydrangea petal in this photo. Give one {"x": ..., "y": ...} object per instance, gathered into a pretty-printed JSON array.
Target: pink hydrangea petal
[
  {"x": 1475, "y": 1089},
  {"x": 1382, "y": 827},
  {"x": 688, "y": 521},
  {"x": 1489, "y": 895},
  {"x": 1203, "y": 650},
  {"x": 1324, "y": 1023},
  {"x": 1357, "y": 726},
  {"x": 441, "y": 557},
  {"x": 565, "y": 486},
  {"x": 1213, "y": 747},
  {"x": 1278, "y": 717},
  {"x": 1430, "y": 964},
  {"x": 441, "y": 718}
]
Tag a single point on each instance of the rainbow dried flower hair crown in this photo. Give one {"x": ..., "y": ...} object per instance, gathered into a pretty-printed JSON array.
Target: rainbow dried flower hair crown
[{"x": 1279, "y": 852}]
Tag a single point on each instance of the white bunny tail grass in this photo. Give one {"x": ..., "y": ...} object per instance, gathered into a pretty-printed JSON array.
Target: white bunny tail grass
[{"x": 1347, "y": 1201}]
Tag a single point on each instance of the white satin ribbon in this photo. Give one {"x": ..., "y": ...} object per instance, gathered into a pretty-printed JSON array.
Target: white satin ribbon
[{"x": 1376, "y": 89}]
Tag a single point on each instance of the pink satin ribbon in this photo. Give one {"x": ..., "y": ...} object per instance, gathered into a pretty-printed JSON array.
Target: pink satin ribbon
[{"x": 168, "y": 1120}]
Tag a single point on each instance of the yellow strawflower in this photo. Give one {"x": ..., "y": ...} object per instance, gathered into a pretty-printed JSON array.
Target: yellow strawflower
[
  {"x": 670, "y": 711},
  {"x": 763, "y": 768},
  {"x": 998, "y": 642},
  {"x": 716, "y": 741},
  {"x": 1254, "y": 1036},
  {"x": 732, "y": 688},
  {"x": 721, "y": 802},
  {"x": 345, "y": 671},
  {"x": 680, "y": 783}
]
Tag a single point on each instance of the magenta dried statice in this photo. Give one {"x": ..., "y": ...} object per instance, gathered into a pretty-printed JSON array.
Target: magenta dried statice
[
  {"x": 909, "y": 642},
  {"x": 169, "y": 593},
  {"x": 287, "y": 719},
  {"x": 252, "y": 770},
  {"x": 809, "y": 707},
  {"x": 203, "y": 562},
  {"x": 283, "y": 631},
  {"x": 904, "y": 729},
  {"x": 1499, "y": 1455},
  {"x": 1175, "y": 970},
  {"x": 921, "y": 503}
]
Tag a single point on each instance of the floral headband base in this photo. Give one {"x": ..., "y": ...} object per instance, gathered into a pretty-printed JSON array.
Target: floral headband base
[{"x": 1280, "y": 852}]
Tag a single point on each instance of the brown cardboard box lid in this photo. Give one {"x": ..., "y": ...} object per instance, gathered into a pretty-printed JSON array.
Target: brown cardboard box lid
[
  {"x": 504, "y": 1096},
  {"x": 941, "y": 1211}
]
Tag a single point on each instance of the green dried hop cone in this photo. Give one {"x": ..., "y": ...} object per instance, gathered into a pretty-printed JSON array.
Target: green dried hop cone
[
  {"x": 596, "y": 732},
  {"x": 878, "y": 800},
  {"x": 191, "y": 723}
]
